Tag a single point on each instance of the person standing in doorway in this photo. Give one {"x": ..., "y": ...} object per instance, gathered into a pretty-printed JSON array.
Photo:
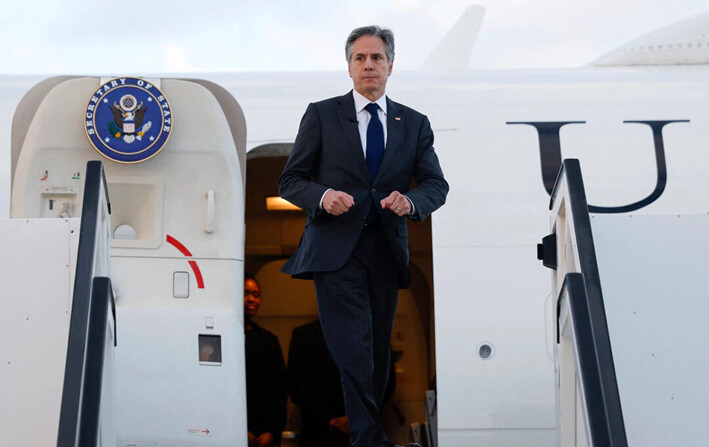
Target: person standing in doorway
[
  {"x": 266, "y": 388},
  {"x": 350, "y": 169}
]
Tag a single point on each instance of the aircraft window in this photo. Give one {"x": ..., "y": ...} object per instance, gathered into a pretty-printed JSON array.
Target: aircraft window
[
  {"x": 210, "y": 349},
  {"x": 485, "y": 351},
  {"x": 125, "y": 232}
]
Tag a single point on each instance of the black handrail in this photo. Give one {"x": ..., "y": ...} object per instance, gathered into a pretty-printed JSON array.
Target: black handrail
[
  {"x": 101, "y": 295},
  {"x": 598, "y": 370},
  {"x": 79, "y": 395}
]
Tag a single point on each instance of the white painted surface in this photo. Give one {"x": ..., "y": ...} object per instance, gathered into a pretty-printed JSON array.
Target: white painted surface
[
  {"x": 483, "y": 289},
  {"x": 478, "y": 394},
  {"x": 36, "y": 282},
  {"x": 682, "y": 43},
  {"x": 163, "y": 392},
  {"x": 164, "y": 396},
  {"x": 653, "y": 272}
]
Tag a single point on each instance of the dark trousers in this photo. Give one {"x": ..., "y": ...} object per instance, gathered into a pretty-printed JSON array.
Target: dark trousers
[{"x": 357, "y": 305}]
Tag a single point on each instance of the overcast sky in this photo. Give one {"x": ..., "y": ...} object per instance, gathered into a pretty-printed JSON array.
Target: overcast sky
[{"x": 144, "y": 36}]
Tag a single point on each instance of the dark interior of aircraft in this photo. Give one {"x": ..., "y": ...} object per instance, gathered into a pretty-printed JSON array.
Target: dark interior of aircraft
[{"x": 273, "y": 235}]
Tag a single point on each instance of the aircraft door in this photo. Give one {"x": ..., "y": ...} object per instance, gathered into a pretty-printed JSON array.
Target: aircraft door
[{"x": 174, "y": 156}]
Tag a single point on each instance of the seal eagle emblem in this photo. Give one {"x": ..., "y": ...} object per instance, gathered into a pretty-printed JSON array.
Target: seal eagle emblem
[{"x": 128, "y": 120}]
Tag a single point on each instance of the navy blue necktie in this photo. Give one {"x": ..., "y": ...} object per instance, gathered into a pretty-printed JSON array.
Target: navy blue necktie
[{"x": 375, "y": 141}]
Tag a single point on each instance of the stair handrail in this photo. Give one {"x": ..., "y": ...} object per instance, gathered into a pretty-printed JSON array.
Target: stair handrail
[
  {"x": 580, "y": 317},
  {"x": 89, "y": 312}
]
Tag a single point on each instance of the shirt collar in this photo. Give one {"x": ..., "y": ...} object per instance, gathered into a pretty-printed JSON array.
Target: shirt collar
[{"x": 361, "y": 102}]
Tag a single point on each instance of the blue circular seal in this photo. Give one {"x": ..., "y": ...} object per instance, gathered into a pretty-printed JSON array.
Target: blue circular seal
[{"x": 128, "y": 120}]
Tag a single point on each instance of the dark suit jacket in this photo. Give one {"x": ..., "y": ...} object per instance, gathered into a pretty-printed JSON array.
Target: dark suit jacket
[{"x": 327, "y": 153}]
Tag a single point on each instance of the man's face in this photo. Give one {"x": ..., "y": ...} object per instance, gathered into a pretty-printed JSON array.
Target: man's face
[
  {"x": 252, "y": 298},
  {"x": 369, "y": 67}
]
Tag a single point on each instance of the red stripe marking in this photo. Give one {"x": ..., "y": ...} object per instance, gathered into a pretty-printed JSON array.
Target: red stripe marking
[
  {"x": 178, "y": 245},
  {"x": 193, "y": 264},
  {"x": 197, "y": 274}
]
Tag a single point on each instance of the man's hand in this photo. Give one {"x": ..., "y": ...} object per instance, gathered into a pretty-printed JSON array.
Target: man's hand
[
  {"x": 397, "y": 203},
  {"x": 265, "y": 440},
  {"x": 337, "y": 202},
  {"x": 340, "y": 425},
  {"x": 252, "y": 440},
  {"x": 339, "y": 428}
]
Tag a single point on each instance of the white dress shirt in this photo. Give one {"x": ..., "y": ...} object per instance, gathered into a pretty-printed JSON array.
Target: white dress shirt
[{"x": 363, "y": 117}]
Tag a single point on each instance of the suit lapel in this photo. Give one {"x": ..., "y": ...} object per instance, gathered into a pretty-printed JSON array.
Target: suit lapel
[
  {"x": 348, "y": 121},
  {"x": 395, "y": 132}
]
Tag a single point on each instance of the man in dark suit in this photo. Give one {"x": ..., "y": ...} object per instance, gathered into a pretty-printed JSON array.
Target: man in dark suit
[{"x": 350, "y": 170}]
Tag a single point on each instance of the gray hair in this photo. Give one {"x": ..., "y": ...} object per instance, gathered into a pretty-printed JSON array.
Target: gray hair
[{"x": 373, "y": 30}]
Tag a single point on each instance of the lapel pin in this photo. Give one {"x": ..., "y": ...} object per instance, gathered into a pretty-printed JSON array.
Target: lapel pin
[{"x": 397, "y": 118}]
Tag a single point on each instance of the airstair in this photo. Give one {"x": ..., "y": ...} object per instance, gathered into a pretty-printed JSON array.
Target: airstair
[
  {"x": 68, "y": 387},
  {"x": 630, "y": 303},
  {"x": 170, "y": 371}
]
